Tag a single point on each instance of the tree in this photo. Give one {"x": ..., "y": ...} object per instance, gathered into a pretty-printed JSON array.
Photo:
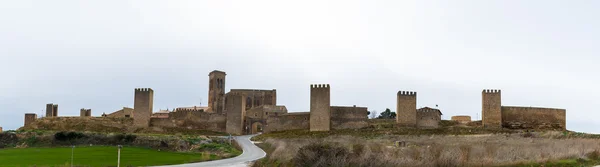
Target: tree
[
  {"x": 387, "y": 114},
  {"x": 373, "y": 114}
]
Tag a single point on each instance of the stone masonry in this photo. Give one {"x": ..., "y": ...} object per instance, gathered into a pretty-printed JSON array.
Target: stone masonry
[
  {"x": 30, "y": 118},
  {"x": 236, "y": 111},
  {"x": 406, "y": 108},
  {"x": 320, "y": 115},
  {"x": 142, "y": 110},
  {"x": 51, "y": 110},
  {"x": 491, "y": 109},
  {"x": 216, "y": 91},
  {"x": 85, "y": 112}
]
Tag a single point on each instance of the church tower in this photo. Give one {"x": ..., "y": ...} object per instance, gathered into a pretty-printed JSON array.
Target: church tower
[{"x": 216, "y": 91}]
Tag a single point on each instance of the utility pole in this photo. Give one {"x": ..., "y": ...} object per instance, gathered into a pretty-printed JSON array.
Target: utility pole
[
  {"x": 72, "y": 151},
  {"x": 119, "y": 156}
]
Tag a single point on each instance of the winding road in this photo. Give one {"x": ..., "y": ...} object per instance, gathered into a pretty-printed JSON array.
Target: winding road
[{"x": 251, "y": 153}]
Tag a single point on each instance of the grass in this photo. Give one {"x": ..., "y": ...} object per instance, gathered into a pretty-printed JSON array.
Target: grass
[
  {"x": 443, "y": 150},
  {"x": 96, "y": 156}
]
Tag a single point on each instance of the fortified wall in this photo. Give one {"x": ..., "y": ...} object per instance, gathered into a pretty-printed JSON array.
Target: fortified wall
[
  {"x": 348, "y": 117},
  {"x": 192, "y": 119},
  {"x": 495, "y": 115},
  {"x": 288, "y": 121},
  {"x": 533, "y": 118},
  {"x": 463, "y": 119}
]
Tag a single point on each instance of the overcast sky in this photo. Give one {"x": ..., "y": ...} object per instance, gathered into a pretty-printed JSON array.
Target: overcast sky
[{"x": 92, "y": 54}]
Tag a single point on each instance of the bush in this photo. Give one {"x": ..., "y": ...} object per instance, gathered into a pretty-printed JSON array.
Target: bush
[
  {"x": 124, "y": 138},
  {"x": 320, "y": 155},
  {"x": 68, "y": 136}
]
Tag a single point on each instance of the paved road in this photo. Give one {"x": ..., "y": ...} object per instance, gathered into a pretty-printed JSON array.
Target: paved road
[{"x": 251, "y": 153}]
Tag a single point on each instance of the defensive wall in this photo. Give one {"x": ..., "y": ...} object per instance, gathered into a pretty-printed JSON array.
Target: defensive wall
[
  {"x": 122, "y": 113},
  {"x": 463, "y": 119},
  {"x": 494, "y": 115},
  {"x": 288, "y": 121},
  {"x": 533, "y": 118},
  {"x": 192, "y": 119},
  {"x": 352, "y": 117}
]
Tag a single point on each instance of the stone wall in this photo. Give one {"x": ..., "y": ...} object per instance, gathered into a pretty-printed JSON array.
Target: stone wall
[
  {"x": 463, "y": 119},
  {"x": 491, "y": 108},
  {"x": 348, "y": 117},
  {"x": 533, "y": 118},
  {"x": 143, "y": 104},
  {"x": 123, "y": 113},
  {"x": 93, "y": 124},
  {"x": 265, "y": 110},
  {"x": 320, "y": 114},
  {"x": 289, "y": 121},
  {"x": 406, "y": 108},
  {"x": 192, "y": 119},
  {"x": 256, "y": 98},
  {"x": 428, "y": 118},
  {"x": 30, "y": 118},
  {"x": 236, "y": 111}
]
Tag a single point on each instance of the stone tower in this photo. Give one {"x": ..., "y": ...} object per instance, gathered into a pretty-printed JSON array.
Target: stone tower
[
  {"x": 491, "y": 112},
  {"x": 30, "y": 118},
  {"x": 320, "y": 114},
  {"x": 236, "y": 111},
  {"x": 216, "y": 91},
  {"x": 142, "y": 107},
  {"x": 85, "y": 112},
  {"x": 51, "y": 110},
  {"x": 406, "y": 108}
]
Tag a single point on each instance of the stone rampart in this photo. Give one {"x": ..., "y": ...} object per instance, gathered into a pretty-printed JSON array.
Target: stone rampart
[
  {"x": 533, "y": 118},
  {"x": 289, "y": 121},
  {"x": 348, "y": 117}
]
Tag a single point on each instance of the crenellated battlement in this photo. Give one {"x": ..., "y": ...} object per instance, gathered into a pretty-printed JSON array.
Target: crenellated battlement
[
  {"x": 319, "y": 86},
  {"x": 144, "y": 90},
  {"x": 188, "y": 110},
  {"x": 492, "y": 91},
  {"x": 407, "y": 93}
]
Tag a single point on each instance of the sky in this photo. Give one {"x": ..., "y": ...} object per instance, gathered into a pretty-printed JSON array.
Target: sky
[{"x": 93, "y": 54}]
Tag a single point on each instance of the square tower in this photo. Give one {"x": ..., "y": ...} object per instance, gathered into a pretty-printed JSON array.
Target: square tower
[
  {"x": 51, "y": 110},
  {"x": 216, "y": 91},
  {"x": 30, "y": 118},
  {"x": 236, "y": 112},
  {"x": 406, "y": 108},
  {"x": 491, "y": 112},
  {"x": 320, "y": 114},
  {"x": 142, "y": 107},
  {"x": 85, "y": 112}
]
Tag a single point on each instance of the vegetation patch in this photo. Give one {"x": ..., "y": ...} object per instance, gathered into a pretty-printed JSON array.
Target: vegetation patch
[{"x": 96, "y": 156}]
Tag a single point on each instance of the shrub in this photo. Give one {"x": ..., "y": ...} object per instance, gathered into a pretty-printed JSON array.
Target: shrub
[
  {"x": 68, "y": 136},
  {"x": 320, "y": 155},
  {"x": 594, "y": 155}
]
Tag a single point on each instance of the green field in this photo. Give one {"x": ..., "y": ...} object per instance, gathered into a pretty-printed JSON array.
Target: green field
[{"x": 97, "y": 156}]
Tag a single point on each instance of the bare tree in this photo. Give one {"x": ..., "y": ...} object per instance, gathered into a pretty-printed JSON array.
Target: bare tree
[{"x": 373, "y": 114}]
